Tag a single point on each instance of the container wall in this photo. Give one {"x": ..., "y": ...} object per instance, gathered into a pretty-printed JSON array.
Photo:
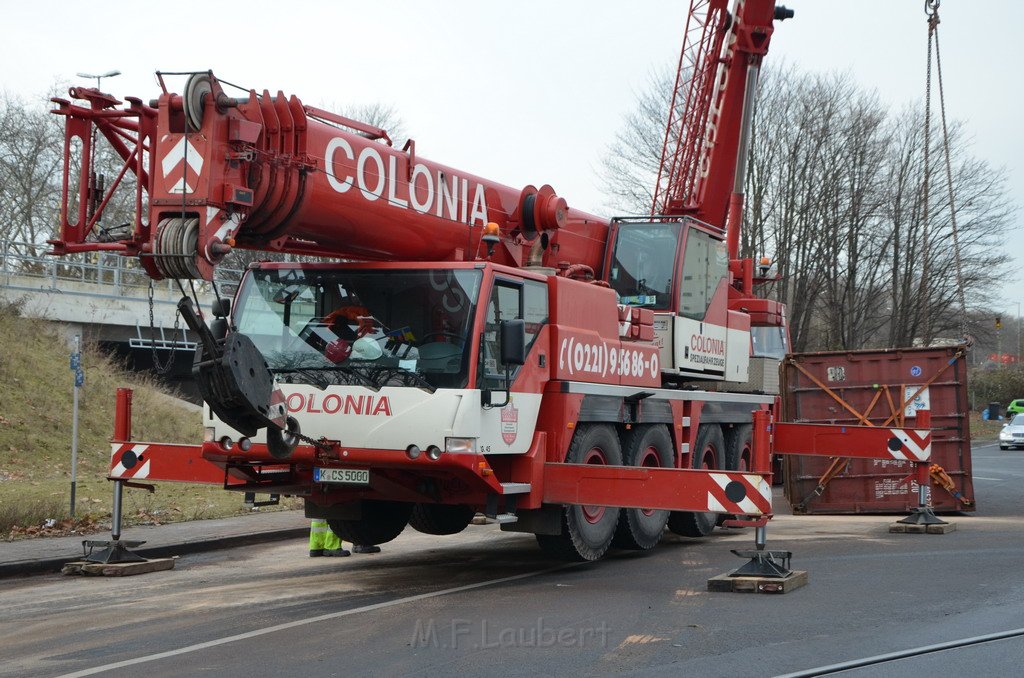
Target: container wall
[{"x": 856, "y": 387}]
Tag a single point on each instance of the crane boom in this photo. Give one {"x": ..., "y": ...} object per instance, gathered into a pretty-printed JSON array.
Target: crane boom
[
  {"x": 703, "y": 157},
  {"x": 268, "y": 172}
]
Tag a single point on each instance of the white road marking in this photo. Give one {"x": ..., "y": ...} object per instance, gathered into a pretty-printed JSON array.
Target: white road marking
[
  {"x": 306, "y": 622},
  {"x": 903, "y": 654}
]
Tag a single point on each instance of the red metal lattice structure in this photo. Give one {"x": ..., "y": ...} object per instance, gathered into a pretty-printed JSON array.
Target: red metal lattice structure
[
  {"x": 690, "y": 106},
  {"x": 703, "y": 157}
]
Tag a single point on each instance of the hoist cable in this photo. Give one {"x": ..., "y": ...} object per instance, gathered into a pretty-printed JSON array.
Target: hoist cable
[
  {"x": 961, "y": 295},
  {"x": 932, "y": 11}
]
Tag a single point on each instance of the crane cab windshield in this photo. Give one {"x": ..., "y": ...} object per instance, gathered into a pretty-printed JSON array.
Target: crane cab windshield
[
  {"x": 366, "y": 327},
  {"x": 643, "y": 261}
]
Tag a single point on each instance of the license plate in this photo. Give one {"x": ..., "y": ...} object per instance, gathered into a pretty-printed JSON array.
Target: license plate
[{"x": 347, "y": 476}]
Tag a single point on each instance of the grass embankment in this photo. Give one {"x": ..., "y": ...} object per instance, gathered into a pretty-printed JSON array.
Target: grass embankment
[
  {"x": 36, "y": 393},
  {"x": 982, "y": 429}
]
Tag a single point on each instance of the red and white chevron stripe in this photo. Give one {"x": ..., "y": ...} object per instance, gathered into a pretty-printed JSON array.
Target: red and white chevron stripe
[
  {"x": 917, "y": 445},
  {"x": 176, "y": 164},
  {"x": 737, "y": 493},
  {"x": 128, "y": 462}
]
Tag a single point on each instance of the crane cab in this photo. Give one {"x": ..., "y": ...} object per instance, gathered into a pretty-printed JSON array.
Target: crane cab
[{"x": 679, "y": 268}]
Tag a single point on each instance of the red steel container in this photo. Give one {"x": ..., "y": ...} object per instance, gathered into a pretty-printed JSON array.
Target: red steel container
[{"x": 878, "y": 387}]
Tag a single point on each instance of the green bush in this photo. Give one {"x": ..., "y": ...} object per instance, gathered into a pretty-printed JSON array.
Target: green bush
[{"x": 996, "y": 384}]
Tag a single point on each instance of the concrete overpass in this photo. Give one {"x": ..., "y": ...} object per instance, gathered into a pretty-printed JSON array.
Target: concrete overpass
[{"x": 104, "y": 298}]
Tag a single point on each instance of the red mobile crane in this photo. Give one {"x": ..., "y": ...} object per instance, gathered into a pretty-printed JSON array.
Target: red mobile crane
[{"x": 482, "y": 348}]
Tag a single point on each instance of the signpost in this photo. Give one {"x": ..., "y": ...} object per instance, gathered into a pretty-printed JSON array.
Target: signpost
[{"x": 76, "y": 367}]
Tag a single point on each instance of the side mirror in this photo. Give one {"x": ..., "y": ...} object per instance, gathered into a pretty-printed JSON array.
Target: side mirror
[
  {"x": 221, "y": 308},
  {"x": 513, "y": 342},
  {"x": 513, "y": 352}
]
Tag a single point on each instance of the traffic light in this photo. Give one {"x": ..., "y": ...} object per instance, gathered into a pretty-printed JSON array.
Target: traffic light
[{"x": 999, "y": 322}]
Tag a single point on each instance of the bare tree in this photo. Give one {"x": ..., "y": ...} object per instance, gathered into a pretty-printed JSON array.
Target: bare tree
[
  {"x": 630, "y": 164},
  {"x": 834, "y": 192},
  {"x": 31, "y": 152}
]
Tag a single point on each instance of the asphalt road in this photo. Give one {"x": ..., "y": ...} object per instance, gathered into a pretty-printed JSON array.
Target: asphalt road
[{"x": 489, "y": 603}]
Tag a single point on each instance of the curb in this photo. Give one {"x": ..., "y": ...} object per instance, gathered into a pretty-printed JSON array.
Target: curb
[{"x": 50, "y": 565}]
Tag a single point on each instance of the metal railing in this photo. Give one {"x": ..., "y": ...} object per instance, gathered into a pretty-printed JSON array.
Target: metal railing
[
  {"x": 163, "y": 343},
  {"x": 117, "y": 275}
]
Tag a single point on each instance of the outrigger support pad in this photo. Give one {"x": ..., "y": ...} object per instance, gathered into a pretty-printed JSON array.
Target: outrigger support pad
[
  {"x": 115, "y": 551},
  {"x": 763, "y": 564},
  {"x": 923, "y": 515}
]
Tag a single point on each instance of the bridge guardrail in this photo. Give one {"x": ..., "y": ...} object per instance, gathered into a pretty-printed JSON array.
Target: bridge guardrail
[{"x": 121, "y": 276}]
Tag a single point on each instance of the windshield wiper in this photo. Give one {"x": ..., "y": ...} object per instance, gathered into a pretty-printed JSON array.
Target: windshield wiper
[
  {"x": 382, "y": 375},
  {"x": 370, "y": 375},
  {"x": 318, "y": 376}
]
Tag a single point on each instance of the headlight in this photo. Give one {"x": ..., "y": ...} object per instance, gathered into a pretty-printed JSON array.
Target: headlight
[
  {"x": 460, "y": 445},
  {"x": 1005, "y": 435}
]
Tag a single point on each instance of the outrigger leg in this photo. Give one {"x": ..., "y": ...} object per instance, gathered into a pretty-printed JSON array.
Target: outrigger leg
[
  {"x": 115, "y": 550},
  {"x": 763, "y": 563}
]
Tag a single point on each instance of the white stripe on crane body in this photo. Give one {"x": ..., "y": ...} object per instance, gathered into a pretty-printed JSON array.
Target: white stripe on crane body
[
  {"x": 119, "y": 470},
  {"x": 181, "y": 187},
  {"x": 177, "y": 154},
  {"x": 746, "y": 505},
  {"x": 917, "y": 445}
]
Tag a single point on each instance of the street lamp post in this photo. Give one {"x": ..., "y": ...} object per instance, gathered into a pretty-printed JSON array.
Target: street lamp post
[
  {"x": 1020, "y": 350},
  {"x": 99, "y": 77}
]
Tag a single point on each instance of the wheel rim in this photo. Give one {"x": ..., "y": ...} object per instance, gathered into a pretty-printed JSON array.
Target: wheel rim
[
  {"x": 709, "y": 457},
  {"x": 593, "y": 514},
  {"x": 649, "y": 459},
  {"x": 744, "y": 462}
]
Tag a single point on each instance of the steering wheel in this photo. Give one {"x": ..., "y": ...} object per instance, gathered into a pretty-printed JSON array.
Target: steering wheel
[{"x": 461, "y": 338}]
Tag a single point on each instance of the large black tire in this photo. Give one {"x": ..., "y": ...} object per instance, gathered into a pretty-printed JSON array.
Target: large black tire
[
  {"x": 739, "y": 451},
  {"x": 382, "y": 521},
  {"x": 587, "y": 531},
  {"x": 739, "y": 448},
  {"x": 708, "y": 452},
  {"x": 440, "y": 519},
  {"x": 650, "y": 446}
]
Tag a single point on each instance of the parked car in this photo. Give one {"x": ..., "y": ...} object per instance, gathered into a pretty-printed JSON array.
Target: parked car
[
  {"x": 1015, "y": 407},
  {"x": 1012, "y": 434}
]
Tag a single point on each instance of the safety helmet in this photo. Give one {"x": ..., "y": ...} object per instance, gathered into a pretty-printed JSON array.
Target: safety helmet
[{"x": 366, "y": 348}]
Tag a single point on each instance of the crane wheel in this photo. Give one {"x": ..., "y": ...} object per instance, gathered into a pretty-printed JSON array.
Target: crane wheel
[
  {"x": 380, "y": 522},
  {"x": 650, "y": 446},
  {"x": 739, "y": 447},
  {"x": 198, "y": 88},
  {"x": 440, "y": 519},
  {"x": 709, "y": 453},
  {"x": 587, "y": 531}
]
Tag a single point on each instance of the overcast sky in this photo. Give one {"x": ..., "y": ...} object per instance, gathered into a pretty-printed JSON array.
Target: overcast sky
[{"x": 523, "y": 92}]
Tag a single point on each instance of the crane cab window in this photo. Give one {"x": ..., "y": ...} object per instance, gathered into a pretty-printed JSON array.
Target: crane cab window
[
  {"x": 643, "y": 262},
  {"x": 705, "y": 264},
  {"x": 527, "y": 300}
]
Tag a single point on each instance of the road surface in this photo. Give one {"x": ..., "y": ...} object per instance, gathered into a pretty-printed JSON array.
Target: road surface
[{"x": 489, "y": 603}]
